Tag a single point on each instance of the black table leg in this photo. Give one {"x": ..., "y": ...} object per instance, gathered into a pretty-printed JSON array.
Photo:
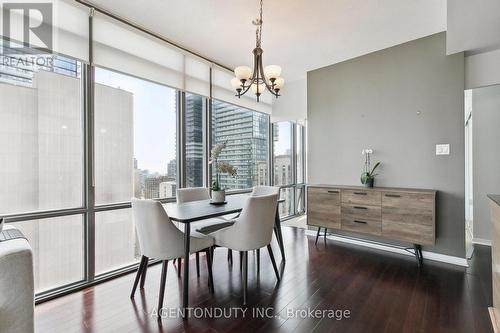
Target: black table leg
[
  {"x": 185, "y": 296},
  {"x": 279, "y": 236}
]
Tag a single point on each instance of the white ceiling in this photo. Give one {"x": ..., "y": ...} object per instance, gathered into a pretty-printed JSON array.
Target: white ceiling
[{"x": 299, "y": 35}]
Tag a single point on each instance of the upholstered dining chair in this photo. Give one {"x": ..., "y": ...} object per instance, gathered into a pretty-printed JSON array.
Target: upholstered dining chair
[
  {"x": 160, "y": 239},
  {"x": 252, "y": 230},
  {"x": 263, "y": 190},
  {"x": 191, "y": 194}
]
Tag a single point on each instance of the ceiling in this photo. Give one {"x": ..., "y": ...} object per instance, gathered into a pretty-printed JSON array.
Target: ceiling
[{"x": 298, "y": 35}]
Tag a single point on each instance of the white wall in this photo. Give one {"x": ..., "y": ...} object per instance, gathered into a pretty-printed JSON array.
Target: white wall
[{"x": 292, "y": 104}]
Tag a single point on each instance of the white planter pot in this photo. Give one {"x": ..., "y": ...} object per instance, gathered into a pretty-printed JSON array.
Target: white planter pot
[{"x": 219, "y": 196}]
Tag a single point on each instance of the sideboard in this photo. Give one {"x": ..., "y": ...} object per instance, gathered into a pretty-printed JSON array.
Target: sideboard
[{"x": 407, "y": 215}]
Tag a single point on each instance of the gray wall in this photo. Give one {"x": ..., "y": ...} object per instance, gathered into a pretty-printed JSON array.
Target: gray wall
[
  {"x": 401, "y": 102},
  {"x": 486, "y": 159},
  {"x": 473, "y": 25},
  {"x": 482, "y": 69}
]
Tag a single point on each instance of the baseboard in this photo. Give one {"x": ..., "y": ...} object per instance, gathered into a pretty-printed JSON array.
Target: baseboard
[
  {"x": 379, "y": 246},
  {"x": 481, "y": 241}
]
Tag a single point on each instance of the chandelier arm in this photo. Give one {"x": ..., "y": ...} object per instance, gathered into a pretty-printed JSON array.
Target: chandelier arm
[
  {"x": 245, "y": 89},
  {"x": 269, "y": 87}
]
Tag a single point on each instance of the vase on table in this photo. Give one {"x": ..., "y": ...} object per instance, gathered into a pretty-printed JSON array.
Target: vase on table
[{"x": 219, "y": 196}]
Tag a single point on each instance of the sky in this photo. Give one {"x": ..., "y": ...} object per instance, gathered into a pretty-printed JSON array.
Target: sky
[{"x": 154, "y": 119}]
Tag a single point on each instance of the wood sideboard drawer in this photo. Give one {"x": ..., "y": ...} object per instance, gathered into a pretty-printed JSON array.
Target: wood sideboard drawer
[
  {"x": 323, "y": 207},
  {"x": 361, "y": 197},
  {"x": 362, "y": 212},
  {"x": 364, "y": 225}
]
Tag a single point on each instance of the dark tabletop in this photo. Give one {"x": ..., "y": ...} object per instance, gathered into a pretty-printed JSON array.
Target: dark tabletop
[
  {"x": 200, "y": 210},
  {"x": 495, "y": 198}
]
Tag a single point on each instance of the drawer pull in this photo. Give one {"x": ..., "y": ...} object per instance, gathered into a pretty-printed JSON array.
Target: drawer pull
[
  {"x": 360, "y": 193},
  {"x": 362, "y": 222},
  {"x": 393, "y": 195},
  {"x": 332, "y": 191},
  {"x": 359, "y": 207}
]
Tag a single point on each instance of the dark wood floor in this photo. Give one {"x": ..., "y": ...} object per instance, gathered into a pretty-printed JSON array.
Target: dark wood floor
[{"x": 384, "y": 293}]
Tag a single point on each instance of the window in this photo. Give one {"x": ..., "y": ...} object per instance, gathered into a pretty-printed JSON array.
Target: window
[
  {"x": 282, "y": 146},
  {"x": 58, "y": 249},
  {"x": 116, "y": 243},
  {"x": 45, "y": 105},
  {"x": 246, "y": 134},
  {"x": 41, "y": 157},
  {"x": 299, "y": 153},
  {"x": 194, "y": 133},
  {"x": 135, "y": 138},
  {"x": 41, "y": 142},
  {"x": 289, "y": 166}
]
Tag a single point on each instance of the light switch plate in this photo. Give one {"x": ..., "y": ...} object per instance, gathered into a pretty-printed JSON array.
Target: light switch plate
[{"x": 442, "y": 149}]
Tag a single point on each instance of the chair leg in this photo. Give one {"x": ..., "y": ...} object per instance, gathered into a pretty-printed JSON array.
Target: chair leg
[
  {"x": 179, "y": 266},
  {"x": 270, "y": 250},
  {"x": 324, "y": 235},
  {"x": 209, "y": 266},
  {"x": 162, "y": 285},
  {"x": 138, "y": 276},
  {"x": 230, "y": 256},
  {"x": 245, "y": 276},
  {"x": 144, "y": 271},
  {"x": 258, "y": 260},
  {"x": 317, "y": 236},
  {"x": 212, "y": 254},
  {"x": 198, "y": 264},
  {"x": 241, "y": 260}
]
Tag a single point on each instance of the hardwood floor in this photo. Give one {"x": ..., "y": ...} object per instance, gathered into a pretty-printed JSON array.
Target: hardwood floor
[{"x": 384, "y": 293}]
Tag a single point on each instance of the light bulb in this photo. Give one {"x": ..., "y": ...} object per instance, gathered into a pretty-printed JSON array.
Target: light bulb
[
  {"x": 272, "y": 72},
  {"x": 262, "y": 88},
  {"x": 243, "y": 72},
  {"x": 235, "y": 83},
  {"x": 279, "y": 83}
]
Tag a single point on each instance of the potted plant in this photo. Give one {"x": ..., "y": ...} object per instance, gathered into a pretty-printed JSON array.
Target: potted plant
[
  {"x": 368, "y": 175},
  {"x": 218, "y": 193}
]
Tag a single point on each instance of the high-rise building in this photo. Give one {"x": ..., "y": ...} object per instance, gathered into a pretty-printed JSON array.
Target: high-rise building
[
  {"x": 167, "y": 189},
  {"x": 152, "y": 186},
  {"x": 195, "y": 106},
  {"x": 245, "y": 132},
  {"x": 172, "y": 168},
  {"x": 45, "y": 146}
]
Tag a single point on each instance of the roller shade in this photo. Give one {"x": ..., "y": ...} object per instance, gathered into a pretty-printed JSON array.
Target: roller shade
[
  {"x": 222, "y": 90},
  {"x": 197, "y": 76},
  {"x": 125, "y": 49}
]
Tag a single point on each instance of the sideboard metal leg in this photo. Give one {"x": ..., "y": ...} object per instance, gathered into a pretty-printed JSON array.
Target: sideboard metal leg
[
  {"x": 317, "y": 235},
  {"x": 418, "y": 254}
]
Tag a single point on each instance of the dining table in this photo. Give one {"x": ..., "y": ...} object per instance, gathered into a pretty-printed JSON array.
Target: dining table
[{"x": 186, "y": 213}]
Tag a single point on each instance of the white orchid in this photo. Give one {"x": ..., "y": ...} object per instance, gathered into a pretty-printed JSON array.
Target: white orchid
[{"x": 220, "y": 167}]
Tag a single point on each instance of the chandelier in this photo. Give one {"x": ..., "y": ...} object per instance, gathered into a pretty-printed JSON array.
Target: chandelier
[{"x": 260, "y": 78}]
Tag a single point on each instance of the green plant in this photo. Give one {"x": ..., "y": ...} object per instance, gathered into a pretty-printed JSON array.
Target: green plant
[{"x": 369, "y": 174}]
